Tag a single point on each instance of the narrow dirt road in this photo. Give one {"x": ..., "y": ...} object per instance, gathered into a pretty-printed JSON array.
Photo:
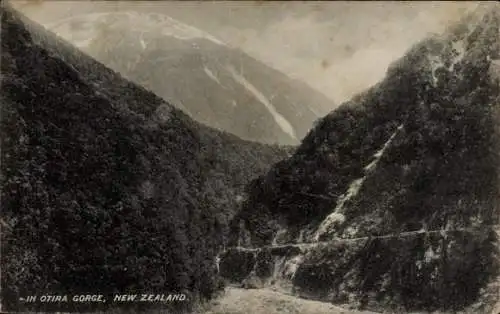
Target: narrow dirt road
[
  {"x": 306, "y": 245},
  {"x": 267, "y": 301}
]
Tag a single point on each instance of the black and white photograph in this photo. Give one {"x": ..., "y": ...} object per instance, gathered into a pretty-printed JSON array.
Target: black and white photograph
[{"x": 250, "y": 157}]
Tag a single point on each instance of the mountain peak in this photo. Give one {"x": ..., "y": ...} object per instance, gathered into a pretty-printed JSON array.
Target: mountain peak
[
  {"x": 241, "y": 95},
  {"x": 79, "y": 29}
]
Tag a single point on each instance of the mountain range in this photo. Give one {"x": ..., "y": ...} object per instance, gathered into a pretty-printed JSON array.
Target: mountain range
[
  {"x": 215, "y": 84},
  {"x": 388, "y": 204}
]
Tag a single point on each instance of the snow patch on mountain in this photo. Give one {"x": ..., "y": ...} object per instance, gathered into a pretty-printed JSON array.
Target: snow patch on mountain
[
  {"x": 211, "y": 74},
  {"x": 82, "y": 29},
  {"x": 144, "y": 45},
  {"x": 381, "y": 152},
  {"x": 82, "y": 43},
  {"x": 336, "y": 217},
  {"x": 283, "y": 123}
]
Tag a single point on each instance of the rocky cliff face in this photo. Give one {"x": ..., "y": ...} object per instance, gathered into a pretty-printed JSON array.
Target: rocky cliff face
[
  {"x": 106, "y": 188},
  {"x": 391, "y": 201},
  {"x": 215, "y": 84}
]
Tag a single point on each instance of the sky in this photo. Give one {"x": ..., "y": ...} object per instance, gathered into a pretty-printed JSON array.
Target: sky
[{"x": 339, "y": 48}]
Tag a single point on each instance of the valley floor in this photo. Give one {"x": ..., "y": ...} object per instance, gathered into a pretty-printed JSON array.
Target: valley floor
[{"x": 268, "y": 301}]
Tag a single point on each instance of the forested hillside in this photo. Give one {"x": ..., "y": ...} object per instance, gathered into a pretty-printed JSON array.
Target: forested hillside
[
  {"x": 391, "y": 201},
  {"x": 106, "y": 188}
]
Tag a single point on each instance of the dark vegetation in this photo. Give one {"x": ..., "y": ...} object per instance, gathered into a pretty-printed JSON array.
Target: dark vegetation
[
  {"x": 440, "y": 172},
  {"x": 106, "y": 188},
  {"x": 448, "y": 134},
  {"x": 424, "y": 271}
]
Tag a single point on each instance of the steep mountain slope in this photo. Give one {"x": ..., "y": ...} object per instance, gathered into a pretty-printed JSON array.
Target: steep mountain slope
[
  {"x": 391, "y": 201},
  {"x": 106, "y": 188},
  {"x": 215, "y": 84}
]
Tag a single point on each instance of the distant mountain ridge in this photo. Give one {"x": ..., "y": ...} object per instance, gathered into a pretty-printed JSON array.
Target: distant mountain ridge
[
  {"x": 215, "y": 84},
  {"x": 391, "y": 201}
]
